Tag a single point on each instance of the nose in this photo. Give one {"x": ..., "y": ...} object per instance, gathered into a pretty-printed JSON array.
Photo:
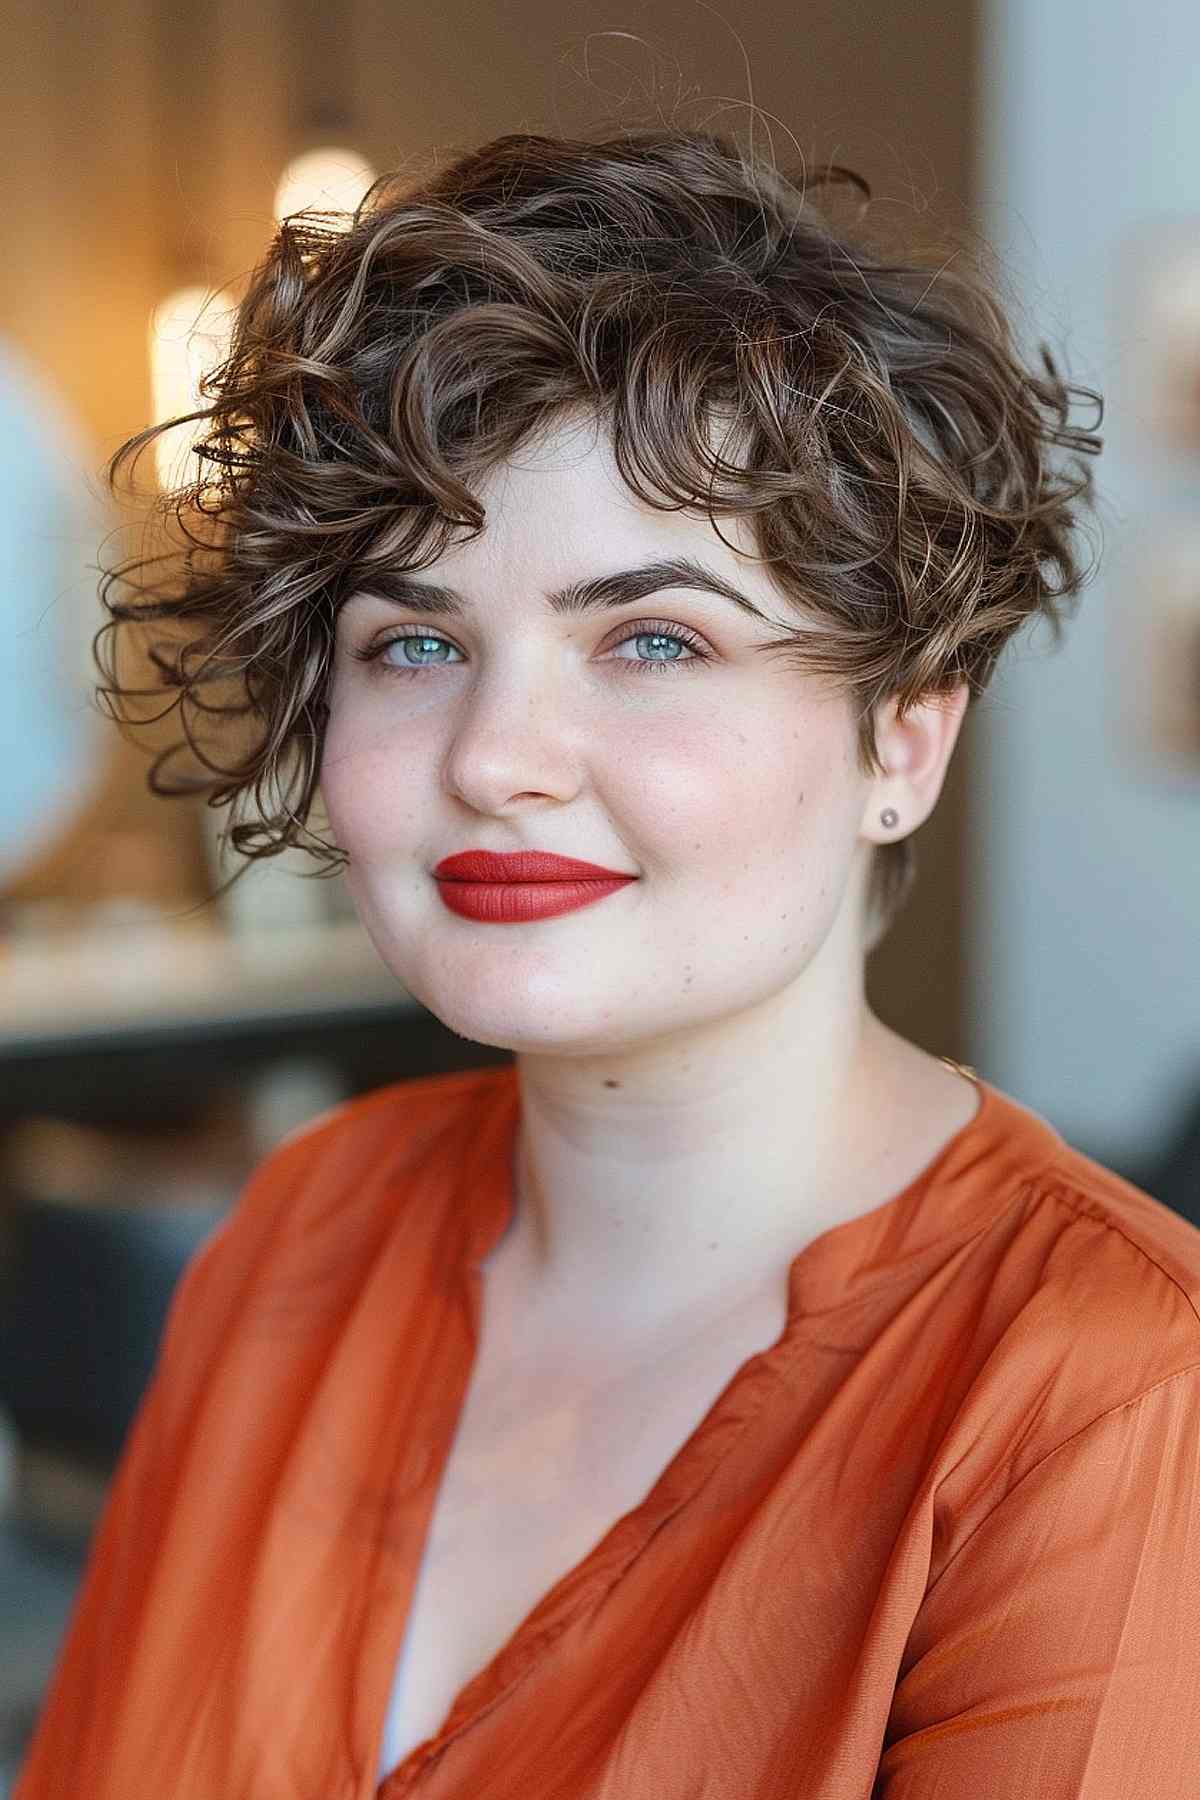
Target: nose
[{"x": 514, "y": 738}]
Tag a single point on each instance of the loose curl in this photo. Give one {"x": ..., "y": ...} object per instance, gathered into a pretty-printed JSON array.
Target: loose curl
[{"x": 895, "y": 457}]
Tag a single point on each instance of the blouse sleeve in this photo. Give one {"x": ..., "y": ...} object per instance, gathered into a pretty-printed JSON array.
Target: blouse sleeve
[
  {"x": 98, "y": 1637},
  {"x": 1058, "y": 1653},
  {"x": 106, "y": 1686},
  {"x": 82, "y": 1702}
]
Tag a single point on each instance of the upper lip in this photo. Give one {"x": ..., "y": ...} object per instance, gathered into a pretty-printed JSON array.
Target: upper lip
[{"x": 520, "y": 865}]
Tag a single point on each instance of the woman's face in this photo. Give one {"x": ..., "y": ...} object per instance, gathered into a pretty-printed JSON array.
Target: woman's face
[{"x": 728, "y": 786}]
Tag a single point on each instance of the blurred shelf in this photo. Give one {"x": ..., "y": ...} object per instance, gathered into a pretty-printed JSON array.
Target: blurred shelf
[
  {"x": 118, "y": 984},
  {"x": 142, "y": 1027}
]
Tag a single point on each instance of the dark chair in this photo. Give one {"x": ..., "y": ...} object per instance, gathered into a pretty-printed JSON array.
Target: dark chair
[{"x": 84, "y": 1293}]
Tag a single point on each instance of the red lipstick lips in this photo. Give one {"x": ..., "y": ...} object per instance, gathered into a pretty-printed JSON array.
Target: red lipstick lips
[
  {"x": 522, "y": 865},
  {"x": 523, "y": 885}
]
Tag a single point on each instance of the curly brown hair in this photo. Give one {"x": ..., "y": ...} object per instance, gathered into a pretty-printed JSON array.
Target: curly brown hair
[{"x": 895, "y": 456}]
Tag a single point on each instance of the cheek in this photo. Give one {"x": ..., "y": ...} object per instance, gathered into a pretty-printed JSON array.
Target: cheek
[
  {"x": 749, "y": 785},
  {"x": 718, "y": 798},
  {"x": 722, "y": 764},
  {"x": 757, "y": 797},
  {"x": 366, "y": 787},
  {"x": 665, "y": 777}
]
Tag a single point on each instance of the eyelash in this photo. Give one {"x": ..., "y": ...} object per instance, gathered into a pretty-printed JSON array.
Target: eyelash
[{"x": 647, "y": 628}]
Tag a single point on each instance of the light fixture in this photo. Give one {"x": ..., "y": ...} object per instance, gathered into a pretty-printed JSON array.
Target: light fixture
[
  {"x": 189, "y": 335},
  {"x": 329, "y": 178}
]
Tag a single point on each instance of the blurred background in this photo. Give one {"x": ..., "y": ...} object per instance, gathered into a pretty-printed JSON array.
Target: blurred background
[{"x": 155, "y": 1042}]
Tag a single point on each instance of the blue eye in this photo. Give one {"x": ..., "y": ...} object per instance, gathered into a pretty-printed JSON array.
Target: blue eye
[{"x": 658, "y": 632}]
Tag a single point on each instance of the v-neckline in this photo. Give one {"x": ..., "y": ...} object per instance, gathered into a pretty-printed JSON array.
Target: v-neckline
[{"x": 842, "y": 1254}]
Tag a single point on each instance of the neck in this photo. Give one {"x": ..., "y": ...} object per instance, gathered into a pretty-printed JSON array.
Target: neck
[{"x": 634, "y": 1209}]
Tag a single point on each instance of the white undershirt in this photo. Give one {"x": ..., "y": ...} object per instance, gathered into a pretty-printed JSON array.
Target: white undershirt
[{"x": 397, "y": 1738}]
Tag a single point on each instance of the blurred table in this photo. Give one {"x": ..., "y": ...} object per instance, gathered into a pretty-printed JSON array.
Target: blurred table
[{"x": 141, "y": 1022}]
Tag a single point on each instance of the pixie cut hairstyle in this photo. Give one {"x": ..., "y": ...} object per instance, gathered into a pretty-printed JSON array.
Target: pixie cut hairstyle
[{"x": 897, "y": 461}]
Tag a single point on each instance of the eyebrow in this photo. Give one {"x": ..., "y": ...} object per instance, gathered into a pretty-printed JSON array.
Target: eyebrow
[{"x": 601, "y": 592}]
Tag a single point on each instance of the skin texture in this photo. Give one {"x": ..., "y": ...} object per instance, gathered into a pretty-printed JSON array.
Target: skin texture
[{"x": 704, "y": 1086}]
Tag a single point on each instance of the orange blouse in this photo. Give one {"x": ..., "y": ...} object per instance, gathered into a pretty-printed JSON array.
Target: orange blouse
[{"x": 940, "y": 1541}]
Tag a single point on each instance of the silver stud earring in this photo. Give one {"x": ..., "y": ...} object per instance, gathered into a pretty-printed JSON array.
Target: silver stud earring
[{"x": 889, "y": 817}]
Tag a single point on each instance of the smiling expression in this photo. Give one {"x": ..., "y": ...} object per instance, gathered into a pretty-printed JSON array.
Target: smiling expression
[{"x": 549, "y": 699}]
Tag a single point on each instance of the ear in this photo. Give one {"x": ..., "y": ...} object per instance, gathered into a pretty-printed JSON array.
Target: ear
[{"x": 915, "y": 753}]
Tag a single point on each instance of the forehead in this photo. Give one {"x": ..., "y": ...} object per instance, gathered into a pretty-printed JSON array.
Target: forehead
[{"x": 561, "y": 502}]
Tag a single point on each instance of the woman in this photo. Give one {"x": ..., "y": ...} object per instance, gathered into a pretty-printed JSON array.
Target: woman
[{"x": 726, "y": 1397}]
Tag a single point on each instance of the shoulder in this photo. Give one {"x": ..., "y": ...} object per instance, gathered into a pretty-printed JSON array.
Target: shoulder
[
  {"x": 1117, "y": 1262},
  {"x": 374, "y": 1136},
  {"x": 1089, "y": 1305},
  {"x": 1060, "y": 1545},
  {"x": 1069, "y": 1252},
  {"x": 313, "y": 1212}
]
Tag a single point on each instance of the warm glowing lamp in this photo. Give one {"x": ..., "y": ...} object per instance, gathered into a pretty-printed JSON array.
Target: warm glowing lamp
[
  {"x": 330, "y": 179},
  {"x": 184, "y": 344},
  {"x": 183, "y": 347}
]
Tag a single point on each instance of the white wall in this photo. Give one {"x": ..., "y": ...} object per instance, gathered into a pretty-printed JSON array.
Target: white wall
[{"x": 1085, "y": 865}]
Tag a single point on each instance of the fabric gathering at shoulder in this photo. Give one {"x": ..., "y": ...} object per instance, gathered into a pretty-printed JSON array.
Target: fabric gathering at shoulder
[
  {"x": 1107, "y": 1319},
  {"x": 1154, "y": 1234}
]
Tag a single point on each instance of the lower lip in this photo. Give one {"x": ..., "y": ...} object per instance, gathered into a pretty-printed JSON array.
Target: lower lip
[{"x": 515, "y": 902}]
